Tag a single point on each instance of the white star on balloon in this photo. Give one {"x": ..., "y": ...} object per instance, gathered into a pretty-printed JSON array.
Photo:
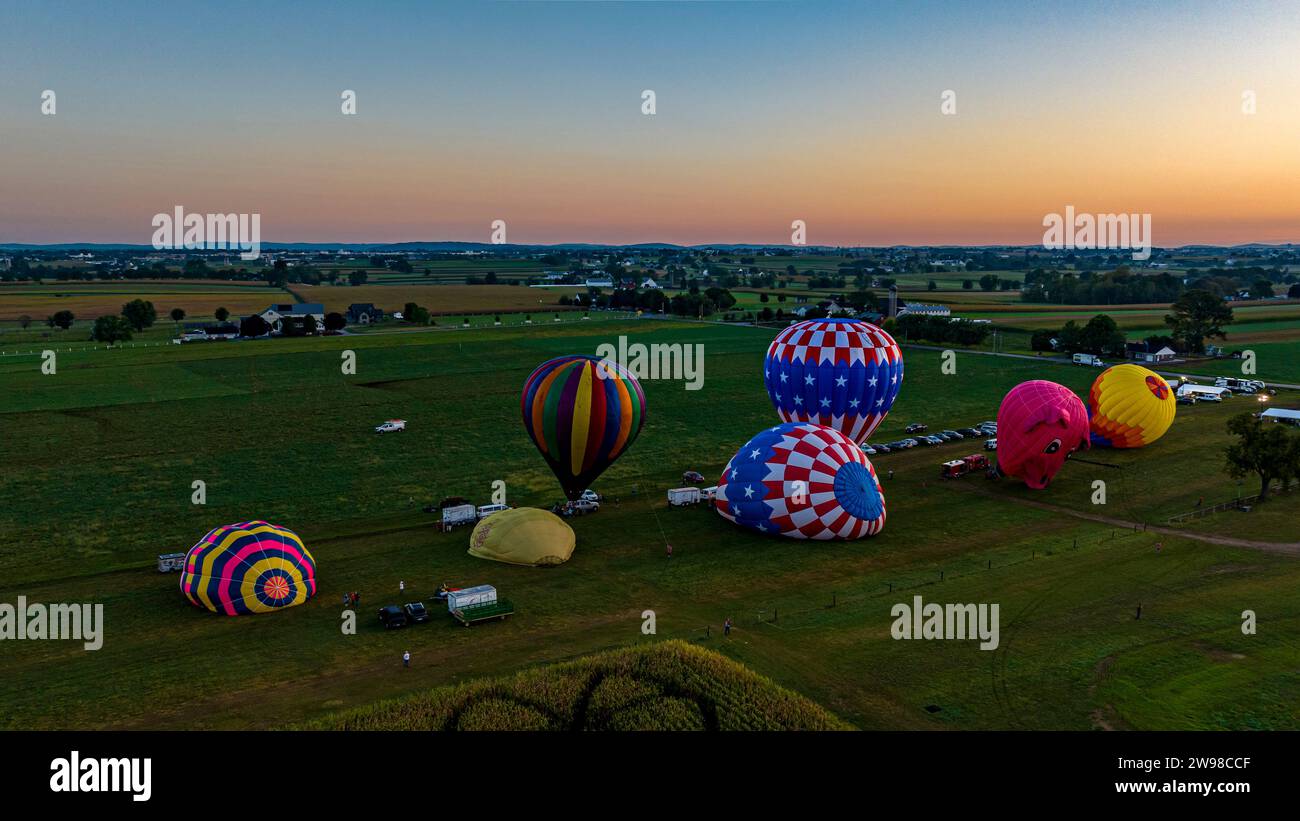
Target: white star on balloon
[
  {"x": 826, "y": 403},
  {"x": 749, "y": 491},
  {"x": 853, "y": 404},
  {"x": 798, "y": 400},
  {"x": 808, "y": 380},
  {"x": 872, "y": 381},
  {"x": 753, "y": 454},
  {"x": 841, "y": 381}
]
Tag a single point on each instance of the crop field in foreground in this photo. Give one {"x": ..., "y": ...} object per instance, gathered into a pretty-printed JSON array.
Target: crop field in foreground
[{"x": 100, "y": 460}]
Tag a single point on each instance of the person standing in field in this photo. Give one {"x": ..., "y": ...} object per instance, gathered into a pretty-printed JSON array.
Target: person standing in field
[
  {"x": 406, "y": 658},
  {"x": 670, "y": 551},
  {"x": 401, "y": 586},
  {"x": 345, "y": 599},
  {"x": 726, "y": 627}
]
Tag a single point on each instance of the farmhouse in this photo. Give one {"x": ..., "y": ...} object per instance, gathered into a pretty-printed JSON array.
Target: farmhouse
[
  {"x": 1141, "y": 352},
  {"x": 275, "y": 313},
  {"x": 363, "y": 313}
]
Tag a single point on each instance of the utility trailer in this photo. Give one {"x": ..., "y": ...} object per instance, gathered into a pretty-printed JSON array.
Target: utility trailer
[{"x": 479, "y": 603}]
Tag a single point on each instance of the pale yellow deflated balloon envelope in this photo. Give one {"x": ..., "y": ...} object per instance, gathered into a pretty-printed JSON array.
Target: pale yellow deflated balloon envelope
[
  {"x": 1129, "y": 407},
  {"x": 523, "y": 535}
]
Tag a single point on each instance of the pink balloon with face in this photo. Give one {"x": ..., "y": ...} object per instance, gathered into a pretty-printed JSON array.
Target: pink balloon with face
[{"x": 1040, "y": 424}]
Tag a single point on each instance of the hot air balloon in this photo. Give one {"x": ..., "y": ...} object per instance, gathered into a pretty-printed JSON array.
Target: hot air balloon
[
  {"x": 582, "y": 412},
  {"x": 843, "y": 373},
  {"x": 524, "y": 535},
  {"x": 1129, "y": 407},
  {"x": 249, "y": 567},
  {"x": 805, "y": 481},
  {"x": 1040, "y": 424}
]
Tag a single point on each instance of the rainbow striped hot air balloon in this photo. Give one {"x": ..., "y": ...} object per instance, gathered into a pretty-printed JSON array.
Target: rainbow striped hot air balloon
[
  {"x": 249, "y": 567},
  {"x": 1130, "y": 406},
  {"x": 582, "y": 412}
]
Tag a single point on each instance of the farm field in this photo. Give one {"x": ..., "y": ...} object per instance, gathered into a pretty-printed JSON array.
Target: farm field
[
  {"x": 91, "y": 299},
  {"x": 100, "y": 461}
]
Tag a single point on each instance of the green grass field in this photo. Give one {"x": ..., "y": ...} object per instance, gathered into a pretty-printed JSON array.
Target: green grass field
[{"x": 100, "y": 460}]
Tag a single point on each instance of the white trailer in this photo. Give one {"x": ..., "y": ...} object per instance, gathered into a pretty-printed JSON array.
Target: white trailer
[
  {"x": 171, "y": 562},
  {"x": 681, "y": 496},
  {"x": 1088, "y": 359},
  {"x": 481, "y": 594},
  {"x": 1204, "y": 392},
  {"x": 458, "y": 515}
]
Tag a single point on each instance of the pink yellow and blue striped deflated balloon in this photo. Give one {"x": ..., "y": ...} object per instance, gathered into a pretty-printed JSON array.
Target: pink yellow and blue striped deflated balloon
[
  {"x": 582, "y": 412},
  {"x": 249, "y": 567}
]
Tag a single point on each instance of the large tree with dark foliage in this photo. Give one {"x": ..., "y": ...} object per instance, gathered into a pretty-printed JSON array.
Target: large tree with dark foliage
[{"x": 1197, "y": 315}]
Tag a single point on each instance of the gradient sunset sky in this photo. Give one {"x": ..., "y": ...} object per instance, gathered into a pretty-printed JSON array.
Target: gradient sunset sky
[{"x": 530, "y": 112}]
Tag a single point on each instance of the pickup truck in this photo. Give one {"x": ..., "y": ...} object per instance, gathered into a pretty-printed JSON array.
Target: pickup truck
[
  {"x": 391, "y": 426},
  {"x": 392, "y": 617}
]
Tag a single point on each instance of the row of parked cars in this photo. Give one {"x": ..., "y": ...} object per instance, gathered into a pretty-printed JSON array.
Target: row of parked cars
[{"x": 984, "y": 430}]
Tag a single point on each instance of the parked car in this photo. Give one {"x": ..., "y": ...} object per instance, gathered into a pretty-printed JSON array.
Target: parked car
[
  {"x": 952, "y": 435},
  {"x": 991, "y": 444},
  {"x": 929, "y": 441},
  {"x": 970, "y": 432},
  {"x": 392, "y": 617},
  {"x": 391, "y": 426},
  {"x": 416, "y": 613},
  {"x": 882, "y": 448},
  {"x": 915, "y": 427},
  {"x": 692, "y": 477},
  {"x": 870, "y": 450},
  {"x": 910, "y": 443},
  {"x": 591, "y": 496},
  {"x": 708, "y": 494},
  {"x": 987, "y": 425}
]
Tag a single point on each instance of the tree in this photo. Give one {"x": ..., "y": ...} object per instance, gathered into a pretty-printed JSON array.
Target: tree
[
  {"x": 334, "y": 321},
  {"x": 1198, "y": 314},
  {"x": 1261, "y": 289},
  {"x": 932, "y": 286},
  {"x": 253, "y": 326},
  {"x": 111, "y": 329},
  {"x": 1042, "y": 340},
  {"x": 359, "y": 277},
  {"x": 61, "y": 319},
  {"x": 25, "y": 321},
  {"x": 177, "y": 314},
  {"x": 1269, "y": 451},
  {"x": 140, "y": 313},
  {"x": 989, "y": 282},
  {"x": 1294, "y": 291},
  {"x": 1102, "y": 336},
  {"x": 222, "y": 314},
  {"x": 967, "y": 284}
]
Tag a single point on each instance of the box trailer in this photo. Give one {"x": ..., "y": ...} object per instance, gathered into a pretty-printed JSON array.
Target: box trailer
[
  {"x": 458, "y": 515},
  {"x": 680, "y": 496},
  {"x": 1088, "y": 359},
  {"x": 171, "y": 562},
  {"x": 468, "y": 596}
]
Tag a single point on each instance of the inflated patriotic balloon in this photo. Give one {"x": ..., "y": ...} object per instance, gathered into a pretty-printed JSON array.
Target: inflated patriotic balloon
[
  {"x": 843, "y": 373},
  {"x": 1129, "y": 407},
  {"x": 805, "y": 481},
  {"x": 250, "y": 567},
  {"x": 1040, "y": 424},
  {"x": 582, "y": 412}
]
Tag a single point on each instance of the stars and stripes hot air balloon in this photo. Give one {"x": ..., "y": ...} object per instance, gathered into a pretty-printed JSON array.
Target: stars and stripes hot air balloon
[
  {"x": 582, "y": 412},
  {"x": 249, "y": 567},
  {"x": 843, "y": 373},
  {"x": 1040, "y": 424},
  {"x": 1130, "y": 406},
  {"x": 804, "y": 481}
]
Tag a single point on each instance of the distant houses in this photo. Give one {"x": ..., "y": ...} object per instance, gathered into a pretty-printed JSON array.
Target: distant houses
[
  {"x": 275, "y": 314},
  {"x": 1144, "y": 352},
  {"x": 363, "y": 313}
]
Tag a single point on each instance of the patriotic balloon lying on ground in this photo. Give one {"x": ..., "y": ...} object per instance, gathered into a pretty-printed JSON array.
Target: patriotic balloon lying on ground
[
  {"x": 582, "y": 412},
  {"x": 1130, "y": 406},
  {"x": 843, "y": 373},
  {"x": 804, "y": 481},
  {"x": 1040, "y": 424},
  {"x": 250, "y": 567}
]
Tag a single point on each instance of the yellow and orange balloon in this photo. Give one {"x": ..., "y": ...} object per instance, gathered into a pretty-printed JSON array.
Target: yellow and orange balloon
[{"x": 1130, "y": 406}]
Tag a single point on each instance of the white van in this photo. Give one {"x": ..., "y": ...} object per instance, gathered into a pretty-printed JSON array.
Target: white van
[{"x": 485, "y": 511}]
